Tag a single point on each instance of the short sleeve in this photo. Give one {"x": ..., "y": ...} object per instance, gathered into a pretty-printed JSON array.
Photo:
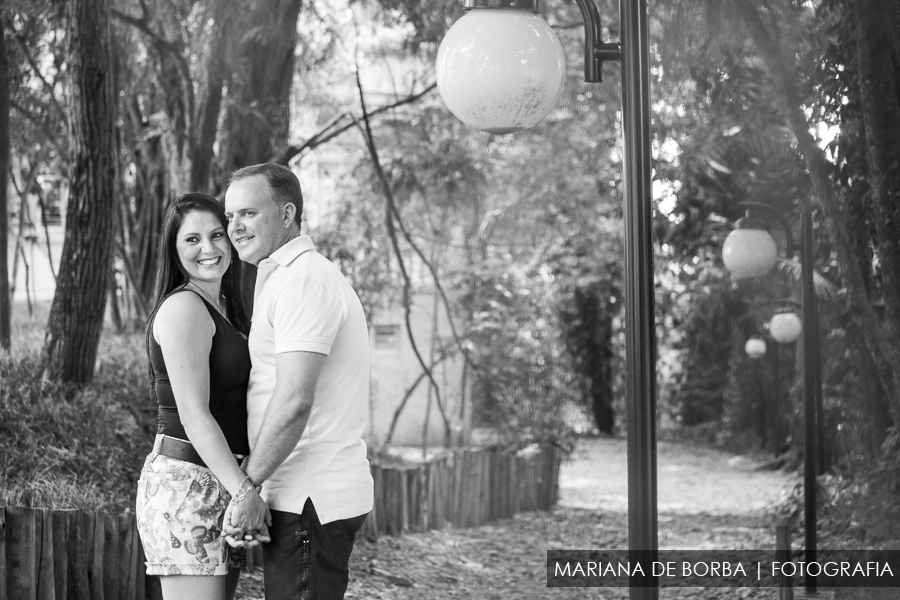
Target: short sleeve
[{"x": 306, "y": 317}]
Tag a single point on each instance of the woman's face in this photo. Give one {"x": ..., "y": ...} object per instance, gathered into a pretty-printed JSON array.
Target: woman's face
[{"x": 203, "y": 247}]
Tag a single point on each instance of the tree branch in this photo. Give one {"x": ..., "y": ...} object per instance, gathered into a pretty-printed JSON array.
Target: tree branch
[
  {"x": 184, "y": 69},
  {"x": 37, "y": 72},
  {"x": 340, "y": 124},
  {"x": 392, "y": 234},
  {"x": 408, "y": 394}
]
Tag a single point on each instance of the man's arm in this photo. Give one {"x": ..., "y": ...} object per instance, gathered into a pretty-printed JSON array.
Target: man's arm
[
  {"x": 297, "y": 374},
  {"x": 285, "y": 420}
]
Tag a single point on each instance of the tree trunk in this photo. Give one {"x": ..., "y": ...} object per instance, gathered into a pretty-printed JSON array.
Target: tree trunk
[
  {"x": 256, "y": 123},
  {"x": 860, "y": 306},
  {"x": 209, "y": 98},
  {"x": 596, "y": 364},
  {"x": 880, "y": 95},
  {"x": 5, "y": 299},
  {"x": 76, "y": 316}
]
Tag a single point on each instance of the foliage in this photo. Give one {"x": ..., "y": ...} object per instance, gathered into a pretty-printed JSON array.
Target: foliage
[
  {"x": 63, "y": 447},
  {"x": 858, "y": 505},
  {"x": 707, "y": 337},
  {"x": 356, "y": 243},
  {"x": 537, "y": 212},
  {"x": 527, "y": 379}
]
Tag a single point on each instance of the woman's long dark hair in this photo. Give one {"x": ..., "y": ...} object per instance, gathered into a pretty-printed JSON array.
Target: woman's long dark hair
[{"x": 170, "y": 273}]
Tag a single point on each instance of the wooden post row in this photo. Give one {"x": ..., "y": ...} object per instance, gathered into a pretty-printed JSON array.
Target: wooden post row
[{"x": 78, "y": 555}]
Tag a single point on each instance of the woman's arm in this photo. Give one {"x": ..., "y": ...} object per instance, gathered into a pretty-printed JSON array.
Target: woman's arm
[{"x": 184, "y": 330}]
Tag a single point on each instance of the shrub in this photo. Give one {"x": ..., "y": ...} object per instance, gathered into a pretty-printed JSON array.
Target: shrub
[{"x": 62, "y": 447}]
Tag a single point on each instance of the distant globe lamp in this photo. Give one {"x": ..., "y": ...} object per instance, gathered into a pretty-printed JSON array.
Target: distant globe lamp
[
  {"x": 785, "y": 327},
  {"x": 749, "y": 250},
  {"x": 500, "y": 68},
  {"x": 755, "y": 347}
]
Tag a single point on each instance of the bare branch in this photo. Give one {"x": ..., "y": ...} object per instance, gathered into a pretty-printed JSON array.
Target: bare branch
[
  {"x": 143, "y": 25},
  {"x": 392, "y": 234},
  {"x": 408, "y": 394},
  {"x": 340, "y": 124}
]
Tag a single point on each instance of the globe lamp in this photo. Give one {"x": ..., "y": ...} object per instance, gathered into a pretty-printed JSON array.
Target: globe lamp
[
  {"x": 785, "y": 327},
  {"x": 755, "y": 348},
  {"x": 749, "y": 250},
  {"x": 500, "y": 68}
]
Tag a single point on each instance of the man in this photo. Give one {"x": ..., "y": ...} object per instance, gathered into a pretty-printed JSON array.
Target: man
[{"x": 306, "y": 400}]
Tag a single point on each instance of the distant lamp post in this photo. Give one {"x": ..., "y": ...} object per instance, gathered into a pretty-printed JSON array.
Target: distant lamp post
[
  {"x": 465, "y": 67},
  {"x": 755, "y": 347},
  {"x": 758, "y": 262},
  {"x": 785, "y": 327},
  {"x": 501, "y": 69}
]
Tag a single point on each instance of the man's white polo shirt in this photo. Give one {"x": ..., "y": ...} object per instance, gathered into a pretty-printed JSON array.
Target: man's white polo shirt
[{"x": 307, "y": 305}]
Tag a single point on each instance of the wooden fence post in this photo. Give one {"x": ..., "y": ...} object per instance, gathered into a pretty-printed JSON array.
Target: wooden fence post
[
  {"x": 3, "y": 577},
  {"x": 133, "y": 540},
  {"x": 110, "y": 556},
  {"x": 403, "y": 493},
  {"x": 140, "y": 582},
  {"x": 414, "y": 500},
  {"x": 424, "y": 474},
  {"x": 45, "y": 570},
  {"x": 380, "y": 523},
  {"x": 81, "y": 529},
  {"x": 96, "y": 578},
  {"x": 21, "y": 565},
  {"x": 484, "y": 487},
  {"x": 438, "y": 493},
  {"x": 126, "y": 529},
  {"x": 59, "y": 522}
]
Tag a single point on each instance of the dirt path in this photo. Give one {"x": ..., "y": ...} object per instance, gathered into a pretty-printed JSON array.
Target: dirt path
[
  {"x": 707, "y": 499},
  {"x": 690, "y": 480}
]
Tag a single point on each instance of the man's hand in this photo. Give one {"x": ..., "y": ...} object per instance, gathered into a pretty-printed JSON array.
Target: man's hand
[{"x": 246, "y": 523}]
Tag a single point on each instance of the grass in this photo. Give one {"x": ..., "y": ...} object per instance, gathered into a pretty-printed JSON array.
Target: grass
[{"x": 63, "y": 447}]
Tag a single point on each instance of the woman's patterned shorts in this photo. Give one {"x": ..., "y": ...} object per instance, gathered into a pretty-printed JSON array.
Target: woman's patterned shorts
[{"x": 180, "y": 508}]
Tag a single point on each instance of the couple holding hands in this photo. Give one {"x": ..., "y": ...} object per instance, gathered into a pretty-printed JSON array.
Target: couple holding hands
[{"x": 259, "y": 436}]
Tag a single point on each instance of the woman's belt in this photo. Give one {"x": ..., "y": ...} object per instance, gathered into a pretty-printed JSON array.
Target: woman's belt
[{"x": 182, "y": 450}]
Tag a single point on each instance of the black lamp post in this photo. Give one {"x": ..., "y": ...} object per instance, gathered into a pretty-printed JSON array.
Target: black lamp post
[
  {"x": 749, "y": 246},
  {"x": 473, "y": 71}
]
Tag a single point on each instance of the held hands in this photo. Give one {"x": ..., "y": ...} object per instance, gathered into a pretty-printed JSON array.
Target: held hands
[{"x": 247, "y": 519}]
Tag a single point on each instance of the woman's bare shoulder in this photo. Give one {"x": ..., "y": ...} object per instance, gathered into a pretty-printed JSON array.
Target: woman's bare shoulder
[{"x": 183, "y": 314}]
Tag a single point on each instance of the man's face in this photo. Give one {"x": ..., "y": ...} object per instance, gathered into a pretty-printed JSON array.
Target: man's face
[{"x": 256, "y": 224}]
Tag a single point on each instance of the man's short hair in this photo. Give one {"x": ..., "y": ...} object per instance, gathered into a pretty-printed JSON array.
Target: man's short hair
[{"x": 283, "y": 184}]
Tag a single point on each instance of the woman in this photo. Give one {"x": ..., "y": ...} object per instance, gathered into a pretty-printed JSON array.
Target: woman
[{"x": 199, "y": 367}]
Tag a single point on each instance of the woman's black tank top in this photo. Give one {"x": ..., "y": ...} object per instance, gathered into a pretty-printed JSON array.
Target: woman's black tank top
[{"x": 229, "y": 371}]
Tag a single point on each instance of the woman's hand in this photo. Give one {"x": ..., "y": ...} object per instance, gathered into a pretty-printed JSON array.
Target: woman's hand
[{"x": 246, "y": 522}]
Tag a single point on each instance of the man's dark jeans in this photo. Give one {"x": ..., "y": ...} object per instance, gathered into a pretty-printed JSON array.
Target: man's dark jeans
[{"x": 307, "y": 560}]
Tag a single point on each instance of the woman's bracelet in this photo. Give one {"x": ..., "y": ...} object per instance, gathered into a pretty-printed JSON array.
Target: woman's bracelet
[{"x": 242, "y": 493}]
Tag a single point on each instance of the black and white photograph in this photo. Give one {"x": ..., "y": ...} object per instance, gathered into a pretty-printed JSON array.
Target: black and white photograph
[{"x": 449, "y": 299}]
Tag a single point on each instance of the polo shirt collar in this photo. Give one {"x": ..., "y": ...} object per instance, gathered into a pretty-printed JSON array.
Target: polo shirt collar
[{"x": 294, "y": 248}]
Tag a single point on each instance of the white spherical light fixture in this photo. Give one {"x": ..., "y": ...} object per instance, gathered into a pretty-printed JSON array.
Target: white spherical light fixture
[
  {"x": 749, "y": 251},
  {"x": 500, "y": 69},
  {"x": 755, "y": 347},
  {"x": 785, "y": 327}
]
